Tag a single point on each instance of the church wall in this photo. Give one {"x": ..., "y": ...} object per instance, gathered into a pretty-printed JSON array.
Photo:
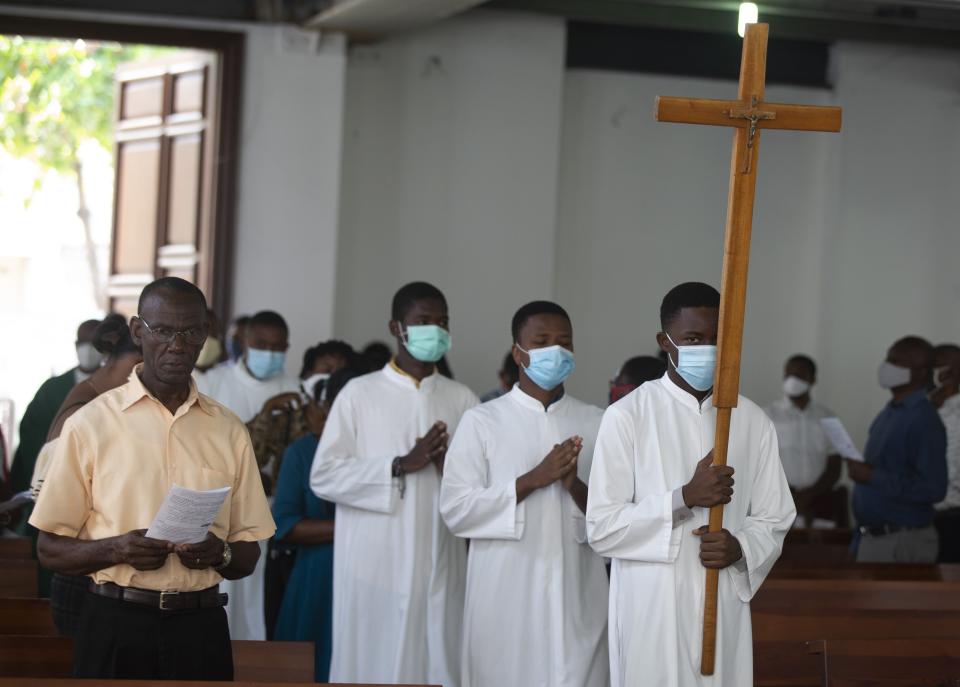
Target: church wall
[
  {"x": 289, "y": 185},
  {"x": 449, "y": 175}
]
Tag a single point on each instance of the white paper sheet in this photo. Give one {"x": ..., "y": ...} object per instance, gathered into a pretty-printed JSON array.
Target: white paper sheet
[
  {"x": 185, "y": 515},
  {"x": 840, "y": 438}
]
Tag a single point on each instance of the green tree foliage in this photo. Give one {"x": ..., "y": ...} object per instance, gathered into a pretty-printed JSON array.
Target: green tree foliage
[{"x": 55, "y": 94}]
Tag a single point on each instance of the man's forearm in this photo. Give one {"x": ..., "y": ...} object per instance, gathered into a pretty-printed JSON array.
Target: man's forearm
[
  {"x": 243, "y": 560},
  {"x": 72, "y": 556}
]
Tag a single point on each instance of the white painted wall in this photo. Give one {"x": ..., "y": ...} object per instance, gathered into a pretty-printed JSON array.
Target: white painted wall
[
  {"x": 289, "y": 183},
  {"x": 466, "y": 171},
  {"x": 642, "y": 209},
  {"x": 449, "y": 176},
  {"x": 855, "y": 235}
]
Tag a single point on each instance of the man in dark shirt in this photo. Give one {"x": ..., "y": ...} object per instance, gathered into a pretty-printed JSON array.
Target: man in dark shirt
[{"x": 905, "y": 472}]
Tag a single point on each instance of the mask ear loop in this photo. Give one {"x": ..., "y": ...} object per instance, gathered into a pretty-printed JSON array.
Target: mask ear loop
[{"x": 678, "y": 351}]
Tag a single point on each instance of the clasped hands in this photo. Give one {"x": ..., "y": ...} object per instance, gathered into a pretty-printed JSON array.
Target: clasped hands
[
  {"x": 712, "y": 485},
  {"x": 144, "y": 553}
]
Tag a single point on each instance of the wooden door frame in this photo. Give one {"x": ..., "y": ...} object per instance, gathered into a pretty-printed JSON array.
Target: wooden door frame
[{"x": 230, "y": 49}]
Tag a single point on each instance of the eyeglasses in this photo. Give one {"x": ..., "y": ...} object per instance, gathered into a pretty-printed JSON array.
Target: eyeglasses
[{"x": 193, "y": 336}]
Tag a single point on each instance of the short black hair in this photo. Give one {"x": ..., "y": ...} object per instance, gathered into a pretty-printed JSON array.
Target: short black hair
[
  {"x": 643, "y": 368},
  {"x": 112, "y": 336},
  {"x": 330, "y": 388},
  {"x": 376, "y": 354},
  {"x": 171, "y": 285},
  {"x": 691, "y": 294},
  {"x": 407, "y": 295},
  {"x": 325, "y": 348},
  {"x": 804, "y": 360},
  {"x": 532, "y": 309},
  {"x": 269, "y": 318}
]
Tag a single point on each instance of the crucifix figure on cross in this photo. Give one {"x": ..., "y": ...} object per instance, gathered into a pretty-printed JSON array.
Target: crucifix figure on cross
[{"x": 749, "y": 114}]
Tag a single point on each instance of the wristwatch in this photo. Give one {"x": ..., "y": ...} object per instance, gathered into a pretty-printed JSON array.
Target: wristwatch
[
  {"x": 227, "y": 557},
  {"x": 396, "y": 469}
]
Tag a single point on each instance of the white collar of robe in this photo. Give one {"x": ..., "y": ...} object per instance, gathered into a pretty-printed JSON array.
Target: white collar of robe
[
  {"x": 533, "y": 404},
  {"x": 685, "y": 398}
]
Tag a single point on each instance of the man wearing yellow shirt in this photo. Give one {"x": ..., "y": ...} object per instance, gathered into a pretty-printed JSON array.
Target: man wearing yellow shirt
[{"x": 154, "y": 610}]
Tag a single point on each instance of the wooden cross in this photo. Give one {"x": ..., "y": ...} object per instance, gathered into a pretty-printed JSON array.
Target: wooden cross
[{"x": 748, "y": 115}]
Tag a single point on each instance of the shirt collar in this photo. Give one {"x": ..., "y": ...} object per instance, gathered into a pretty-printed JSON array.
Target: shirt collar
[
  {"x": 683, "y": 396},
  {"x": 135, "y": 391},
  {"x": 393, "y": 372},
  {"x": 912, "y": 400},
  {"x": 527, "y": 401}
]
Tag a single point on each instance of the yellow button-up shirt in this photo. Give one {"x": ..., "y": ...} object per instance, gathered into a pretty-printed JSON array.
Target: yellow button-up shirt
[{"x": 117, "y": 458}]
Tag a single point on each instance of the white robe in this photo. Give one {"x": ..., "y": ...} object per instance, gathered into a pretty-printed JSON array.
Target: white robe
[
  {"x": 535, "y": 610},
  {"x": 398, "y": 572},
  {"x": 244, "y": 394},
  {"x": 648, "y": 446},
  {"x": 240, "y": 391}
]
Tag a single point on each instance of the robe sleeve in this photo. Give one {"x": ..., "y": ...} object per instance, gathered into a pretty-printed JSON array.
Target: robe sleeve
[
  {"x": 771, "y": 514},
  {"x": 471, "y": 506},
  {"x": 339, "y": 474},
  {"x": 618, "y": 524}
]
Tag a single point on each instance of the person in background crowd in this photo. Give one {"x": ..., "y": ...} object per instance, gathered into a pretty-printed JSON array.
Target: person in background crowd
[
  {"x": 112, "y": 339},
  {"x": 946, "y": 398},
  {"x": 272, "y": 432},
  {"x": 380, "y": 459},
  {"x": 36, "y": 422},
  {"x": 905, "y": 469},
  {"x": 509, "y": 375},
  {"x": 236, "y": 342},
  {"x": 255, "y": 385},
  {"x": 153, "y": 610},
  {"x": 213, "y": 353},
  {"x": 633, "y": 373},
  {"x": 306, "y": 523},
  {"x": 376, "y": 355},
  {"x": 43, "y": 408},
  {"x": 809, "y": 462}
]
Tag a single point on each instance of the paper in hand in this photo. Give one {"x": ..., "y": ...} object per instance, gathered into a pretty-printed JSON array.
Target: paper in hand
[
  {"x": 185, "y": 516},
  {"x": 838, "y": 436}
]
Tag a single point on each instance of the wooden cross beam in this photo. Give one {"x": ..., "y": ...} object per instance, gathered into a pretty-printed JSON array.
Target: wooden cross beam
[{"x": 749, "y": 114}]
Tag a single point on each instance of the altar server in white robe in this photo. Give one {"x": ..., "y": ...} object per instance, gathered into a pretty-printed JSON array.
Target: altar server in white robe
[
  {"x": 398, "y": 572},
  {"x": 514, "y": 484},
  {"x": 651, "y": 487},
  {"x": 245, "y": 388}
]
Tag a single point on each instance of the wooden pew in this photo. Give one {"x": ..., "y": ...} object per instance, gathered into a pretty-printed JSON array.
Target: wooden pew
[
  {"x": 18, "y": 578},
  {"x": 816, "y": 548},
  {"x": 890, "y": 661},
  {"x": 26, "y": 617},
  {"x": 780, "y": 636},
  {"x": 778, "y": 594},
  {"x": 52, "y": 657},
  {"x": 870, "y": 571},
  {"x": 16, "y": 547}
]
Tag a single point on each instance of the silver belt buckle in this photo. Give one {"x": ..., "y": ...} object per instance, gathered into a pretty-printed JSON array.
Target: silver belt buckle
[{"x": 163, "y": 599}]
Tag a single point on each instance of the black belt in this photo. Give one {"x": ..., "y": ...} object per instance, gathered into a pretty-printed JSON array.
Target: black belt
[
  {"x": 164, "y": 601},
  {"x": 882, "y": 530}
]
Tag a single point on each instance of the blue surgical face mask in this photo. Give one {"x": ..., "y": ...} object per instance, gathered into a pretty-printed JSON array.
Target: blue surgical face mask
[
  {"x": 549, "y": 367},
  {"x": 265, "y": 364},
  {"x": 426, "y": 342},
  {"x": 696, "y": 364}
]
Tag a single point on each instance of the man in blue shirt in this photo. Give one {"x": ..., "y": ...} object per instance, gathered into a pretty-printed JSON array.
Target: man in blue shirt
[{"x": 905, "y": 472}]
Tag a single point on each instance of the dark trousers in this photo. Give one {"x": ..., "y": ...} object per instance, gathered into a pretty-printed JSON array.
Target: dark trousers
[
  {"x": 121, "y": 640},
  {"x": 67, "y": 596},
  {"x": 276, "y": 575},
  {"x": 948, "y": 529}
]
